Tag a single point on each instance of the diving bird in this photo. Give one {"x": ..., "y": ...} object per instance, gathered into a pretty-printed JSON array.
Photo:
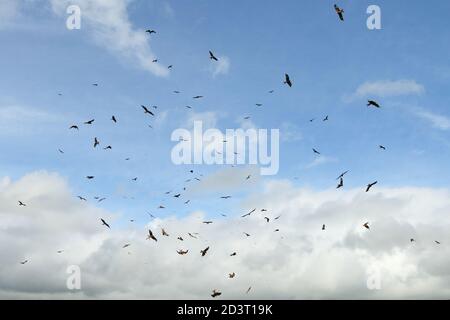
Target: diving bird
[
  {"x": 370, "y": 185},
  {"x": 212, "y": 57},
  {"x": 287, "y": 80},
  {"x": 151, "y": 236},
  {"x": 147, "y": 111},
  {"x": 373, "y": 103},
  {"x": 204, "y": 251},
  {"x": 340, "y": 12},
  {"x": 215, "y": 293},
  {"x": 104, "y": 223}
]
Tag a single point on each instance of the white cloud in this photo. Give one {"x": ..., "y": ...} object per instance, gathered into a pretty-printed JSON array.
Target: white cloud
[
  {"x": 299, "y": 261},
  {"x": 110, "y": 26},
  {"x": 320, "y": 160},
  {"x": 9, "y": 9},
  {"x": 387, "y": 88},
  {"x": 220, "y": 67},
  {"x": 437, "y": 121},
  {"x": 290, "y": 132}
]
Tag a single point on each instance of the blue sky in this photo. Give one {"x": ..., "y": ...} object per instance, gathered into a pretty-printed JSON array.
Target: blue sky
[{"x": 327, "y": 60}]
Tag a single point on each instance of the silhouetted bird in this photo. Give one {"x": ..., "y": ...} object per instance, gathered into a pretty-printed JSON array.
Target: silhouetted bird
[
  {"x": 373, "y": 103},
  {"x": 104, "y": 223},
  {"x": 370, "y": 185},
  {"x": 287, "y": 80},
  {"x": 340, "y": 12},
  {"x": 212, "y": 57}
]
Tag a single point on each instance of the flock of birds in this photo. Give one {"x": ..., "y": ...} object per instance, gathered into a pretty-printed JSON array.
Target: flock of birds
[{"x": 151, "y": 112}]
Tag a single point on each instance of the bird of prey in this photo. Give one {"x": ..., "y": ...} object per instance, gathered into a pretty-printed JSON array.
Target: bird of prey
[
  {"x": 147, "y": 111},
  {"x": 287, "y": 80},
  {"x": 215, "y": 293},
  {"x": 22, "y": 204},
  {"x": 340, "y": 12},
  {"x": 204, "y": 251},
  {"x": 151, "y": 236},
  {"x": 437, "y": 242},
  {"x": 89, "y": 177},
  {"x": 181, "y": 252},
  {"x": 323, "y": 227},
  {"x": 74, "y": 127},
  {"x": 258, "y": 104},
  {"x": 149, "y": 31},
  {"x": 207, "y": 222},
  {"x": 342, "y": 175},
  {"x": 180, "y": 238},
  {"x": 177, "y": 195},
  {"x": 233, "y": 254},
  {"x": 113, "y": 118},
  {"x": 370, "y": 185},
  {"x": 96, "y": 142},
  {"x": 325, "y": 119},
  {"x": 126, "y": 245},
  {"x": 248, "y": 235},
  {"x": 382, "y": 147},
  {"x": 90, "y": 121},
  {"x": 23, "y": 262},
  {"x": 164, "y": 233},
  {"x": 267, "y": 219},
  {"x": 373, "y": 103},
  {"x": 315, "y": 151},
  {"x": 225, "y": 197},
  {"x": 247, "y": 214},
  {"x": 60, "y": 151},
  {"x": 341, "y": 183},
  {"x": 212, "y": 57},
  {"x": 107, "y": 148},
  {"x": 197, "y": 97},
  {"x": 366, "y": 225},
  {"x": 231, "y": 275},
  {"x": 104, "y": 223},
  {"x": 81, "y": 198}
]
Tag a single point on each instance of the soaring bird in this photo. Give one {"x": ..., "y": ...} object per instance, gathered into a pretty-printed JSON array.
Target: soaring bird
[
  {"x": 191, "y": 235},
  {"x": 215, "y": 293},
  {"x": 233, "y": 254},
  {"x": 267, "y": 219},
  {"x": 197, "y": 97},
  {"x": 207, "y": 222},
  {"x": 181, "y": 252},
  {"x": 342, "y": 175},
  {"x": 373, "y": 103},
  {"x": 96, "y": 142},
  {"x": 248, "y": 290},
  {"x": 246, "y": 234},
  {"x": 90, "y": 121},
  {"x": 164, "y": 233},
  {"x": 258, "y": 104},
  {"x": 113, "y": 118},
  {"x": 325, "y": 119},
  {"x": 151, "y": 236},
  {"x": 126, "y": 245},
  {"x": 104, "y": 223},
  {"x": 23, "y": 262},
  {"x": 323, "y": 227},
  {"x": 177, "y": 195},
  {"x": 81, "y": 198},
  {"x": 437, "y": 242},
  {"x": 149, "y": 31},
  {"x": 247, "y": 214},
  {"x": 74, "y": 127},
  {"x": 212, "y": 57},
  {"x": 180, "y": 238},
  {"x": 22, "y": 204},
  {"x": 370, "y": 185},
  {"x": 287, "y": 80},
  {"x": 231, "y": 275},
  {"x": 340, "y": 12},
  {"x": 366, "y": 225},
  {"x": 225, "y": 197},
  {"x": 315, "y": 151},
  {"x": 382, "y": 147},
  {"x": 147, "y": 111},
  {"x": 341, "y": 183},
  {"x": 204, "y": 251},
  {"x": 107, "y": 148},
  {"x": 90, "y": 177}
]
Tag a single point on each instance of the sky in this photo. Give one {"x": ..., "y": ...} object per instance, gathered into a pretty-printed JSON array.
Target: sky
[{"x": 335, "y": 66}]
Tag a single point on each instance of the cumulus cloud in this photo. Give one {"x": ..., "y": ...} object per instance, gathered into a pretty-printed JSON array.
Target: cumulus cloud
[
  {"x": 299, "y": 261},
  {"x": 111, "y": 28},
  {"x": 387, "y": 88},
  {"x": 436, "y": 120}
]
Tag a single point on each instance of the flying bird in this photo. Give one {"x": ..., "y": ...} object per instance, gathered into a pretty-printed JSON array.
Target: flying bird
[
  {"x": 151, "y": 236},
  {"x": 107, "y": 148},
  {"x": 231, "y": 275},
  {"x": 81, "y": 198},
  {"x": 248, "y": 235},
  {"x": 90, "y": 177},
  {"x": 212, "y": 57},
  {"x": 248, "y": 290},
  {"x": 164, "y": 233},
  {"x": 126, "y": 245},
  {"x": 74, "y": 127},
  {"x": 147, "y": 111},
  {"x": 366, "y": 225},
  {"x": 373, "y": 103},
  {"x": 340, "y": 12},
  {"x": 96, "y": 142},
  {"x": 437, "y": 242},
  {"x": 149, "y": 31},
  {"x": 382, "y": 147},
  {"x": 181, "y": 252},
  {"x": 287, "y": 80},
  {"x": 204, "y": 251},
  {"x": 342, "y": 175},
  {"x": 113, "y": 118},
  {"x": 90, "y": 121},
  {"x": 23, "y": 262},
  {"x": 225, "y": 197},
  {"x": 207, "y": 222},
  {"x": 247, "y": 214},
  {"x": 323, "y": 227},
  {"x": 104, "y": 223},
  {"x": 180, "y": 238},
  {"x": 370, "y": 185},
  {"x": 233, "y": 254},
  {"x": 215, "y": 293},
  {"x": 22, "y": 204},
  {"x": 267, "y": 219},
  {"x": 197, "y": 97},
  {"x": 341, "y": 183},
  {"x": 315, "y": 151},
  {"x": 325, "y": 119}
]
